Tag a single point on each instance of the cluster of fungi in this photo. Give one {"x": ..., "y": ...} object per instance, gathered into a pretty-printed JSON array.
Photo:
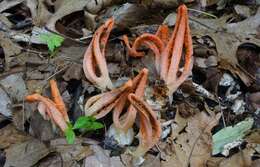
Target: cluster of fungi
[{"x": 168, "y": 51}]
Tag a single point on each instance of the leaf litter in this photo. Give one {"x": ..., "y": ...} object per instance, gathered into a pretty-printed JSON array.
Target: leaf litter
[{"x": 212, "y": 119}]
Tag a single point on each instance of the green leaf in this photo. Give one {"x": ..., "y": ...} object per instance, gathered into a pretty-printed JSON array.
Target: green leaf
[
  {"x": 70, "y": 135},
  {"x": 53, "y": 40},
  {"x": 96, "y": 125},
  {"x": 230, "y": 134},
  {"x": 87, "y": 123}
]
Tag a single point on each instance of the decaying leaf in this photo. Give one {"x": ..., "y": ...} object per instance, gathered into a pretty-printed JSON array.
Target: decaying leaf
[
  {"x": 9, "y": 136},
  {"x": 5, "y": 103},
  {"x": 130, "y": 15},
  {"x": 240, "y": 159},
  {"x": 230, "y": 134},
  {"x": 254, "y": 137},
  {"x": 15, "y": 91},
  {"x": 6, "y": 4},
  {"x": 10, "y": 48},
  {"x": 39, "y": 12},
  {"x": 26, "y": 154},
  {"x": 70, "y": 152},
  {"x": 194, "y": 145},
  {"x": 101, "y": 158},
  {"x": 248, "y": 26},
  {"x": 67, "y": 7}
]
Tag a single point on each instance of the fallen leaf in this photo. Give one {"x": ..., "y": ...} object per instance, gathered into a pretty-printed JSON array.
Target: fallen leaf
[
  {"x": 242, "y": 10},
  {"x": 240, "y": 159},
  {"x": 6, "y": 4},
  {"x": 16, "y": 91},
  {"x": 247, "y": 27},
  {"x": 73, "y": 72},
  {"x": 193, "y": 147},
  {"x": 70, "y": 152},
  {"x": 39, "y": 12},
  {"x": 230, "y": 134},
  {"x": 40, "y": 128},
  {"x": 5, "y": 103},
  {"x": 101, "y": 158},
  {"x": 130, "y": 15},
  {"x": 254, "y": 137},
  {"x": 10, "y": 135},
  {"x": 254, "y": 100},
  {"x": 10, "y": 49},
  {"x": 65, "y": 8},
  {"x": 26, "y": 154},
  {"x": 256, "y": 163}
]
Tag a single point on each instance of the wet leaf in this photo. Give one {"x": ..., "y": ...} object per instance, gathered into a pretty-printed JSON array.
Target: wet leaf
[{"x": 230, "y": 134}]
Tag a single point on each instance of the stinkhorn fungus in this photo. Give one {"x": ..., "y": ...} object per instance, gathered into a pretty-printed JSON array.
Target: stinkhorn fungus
[
  {"x": 168, "y": 50},
  {"x": 54, "y": 109},
  {"x": 150, "y": 127},
  {"x": 101, "y": 104},
  {"x": 116, "y": 100},
  {"x": 94, "y": 62},
  {"x": 127, "y": 120}
]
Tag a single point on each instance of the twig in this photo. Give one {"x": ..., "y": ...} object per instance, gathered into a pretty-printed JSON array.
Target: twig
[
  {"x": 57, "y": 72},
  {"x": 205, "y": 13},
  {"x": 195, "y": 20},
  {"x": 12, "y": 71}
]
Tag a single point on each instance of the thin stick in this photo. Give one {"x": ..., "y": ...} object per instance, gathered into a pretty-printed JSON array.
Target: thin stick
[{"x": 205, "y": 13}]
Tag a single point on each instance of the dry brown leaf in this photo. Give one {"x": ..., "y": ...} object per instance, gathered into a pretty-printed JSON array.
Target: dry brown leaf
[
  {"x": 70, "y": 152},
  {"x": 240, "y": 159},
  {"x": 101, "y": 158},
  {"x": 10, "y": 48},
  {"x": 26, "y": 154},
  {"x": 6, "y": 4},
  {"x": 248, "y": 26},
  {"x": 254, "y": 100},
  {"x": 180, "y": 124},
  {"x": 9, "y": 136},
  {"x": 227, "y": 45},
  {"x": 55, "y": 161},
  {"x": 254, "y": 137},
  {"x": 195, "y": 145},
  {"x": 66, "y": 7},
  {"x": 256, "y": 163},
  {"x": 40, "y": 14},
  {"x": 73, "y": 72},
  {"x": 130, "y": 15}
]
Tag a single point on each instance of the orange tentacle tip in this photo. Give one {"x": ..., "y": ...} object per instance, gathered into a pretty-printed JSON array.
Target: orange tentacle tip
[
  {"x": 55, "y": 108},
  {"x": 150, "y": 127},
  {"x": 94, "y": 62}
]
